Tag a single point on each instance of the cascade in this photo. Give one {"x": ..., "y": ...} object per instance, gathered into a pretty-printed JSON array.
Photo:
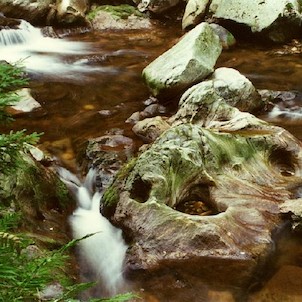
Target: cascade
[
  {"x": 25, "y": 33},
  {"x": 104, "y": 251},
  {"x": 40, "y": 54}
]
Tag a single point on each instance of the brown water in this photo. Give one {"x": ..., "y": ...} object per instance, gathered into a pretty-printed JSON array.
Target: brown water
[{"x": 88, "y": 104}]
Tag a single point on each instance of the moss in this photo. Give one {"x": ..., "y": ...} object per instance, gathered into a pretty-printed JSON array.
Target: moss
[
  {"x": 111, "y": 195},
  {"x": 118, "y": 12}
]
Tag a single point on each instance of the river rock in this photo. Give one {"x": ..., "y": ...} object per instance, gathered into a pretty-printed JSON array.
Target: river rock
[
  {"x": 194, "y": 13},
  {"x": 121, "y": 17},
  {"x": 71, "y": 11},
  {"x": 216, "y": 103},
  {"x": 150, "y": 128},
  {"x": 187, "y": 62},
  {"x": 156, "y": 6},
  {"x": 203, "y": 200},
  {"x": 26, "y": 104},
  {"x": 278, "y": 21},
  {"x": 189, "y": 166},
  {"x": 106, "y": 154},
  {"x": 33, "y": 11}
]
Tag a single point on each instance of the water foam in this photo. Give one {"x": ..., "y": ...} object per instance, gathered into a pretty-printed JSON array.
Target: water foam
[
  {"x": 44, "y": 55},
  {"x": 103, "y": 252}
]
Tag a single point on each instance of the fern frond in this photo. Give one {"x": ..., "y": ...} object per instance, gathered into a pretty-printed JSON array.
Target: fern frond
[{"x": 11, "y": 241}]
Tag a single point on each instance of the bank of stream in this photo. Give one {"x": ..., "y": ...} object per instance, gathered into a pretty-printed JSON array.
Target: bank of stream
[{"x": 92, "y": 84}]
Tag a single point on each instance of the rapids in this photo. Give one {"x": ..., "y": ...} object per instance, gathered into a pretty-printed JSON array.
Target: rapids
[{"x": 103, "y": 252}]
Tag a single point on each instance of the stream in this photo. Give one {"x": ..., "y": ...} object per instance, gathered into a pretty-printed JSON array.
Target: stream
[{"x": 89, "y": 84}]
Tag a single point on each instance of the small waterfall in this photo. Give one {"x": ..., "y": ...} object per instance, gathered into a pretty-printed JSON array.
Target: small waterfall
[
  {"x": 102, "y": 253},
  {"x": 25, "y": 33},
  {"x": 40, "y": 55}
]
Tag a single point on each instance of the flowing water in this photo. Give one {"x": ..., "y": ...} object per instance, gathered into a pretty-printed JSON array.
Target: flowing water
[
  {"x": 89, "y": 83},
  {"x": 103, "y": 252}
]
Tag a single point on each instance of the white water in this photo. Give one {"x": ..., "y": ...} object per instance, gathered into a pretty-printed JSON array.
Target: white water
[
  {"x": 103, "y": 252},
  {"x": 45, "y": 55}
]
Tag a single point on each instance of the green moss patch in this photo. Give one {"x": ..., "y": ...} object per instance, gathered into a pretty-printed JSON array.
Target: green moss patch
[{"x": 118, "y": 12}]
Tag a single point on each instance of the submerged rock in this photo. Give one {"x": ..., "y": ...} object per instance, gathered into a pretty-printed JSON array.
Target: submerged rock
[{"x": 189, "y": 61}]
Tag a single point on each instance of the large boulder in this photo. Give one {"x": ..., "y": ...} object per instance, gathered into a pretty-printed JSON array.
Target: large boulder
[
  {"x": 187, "y": 62},
  {"x": 177, "y": 207},
  {"x": 203, "y": 201},
  {"x": 276, "y": 20}
]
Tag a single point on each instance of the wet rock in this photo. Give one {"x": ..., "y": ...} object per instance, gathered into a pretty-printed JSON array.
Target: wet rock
[
  {"x": 194, "y": 13},
  {"x": 107, "y": 154},
  {"x": 278, "y": 21},
  {"x": 51, "y": 291},
  {"x": 156, "y": 6},
  {"x": 26, "y": 104},
  {"x": 71, "y": 11},
  {"x": 294, "y": 208},
  {"x": 35, "y": 11},
  {"x": 226, "y": 38},
  {"x": 150, "y": 128},
  {"x": 121, "y": 17},
  {"x": 11, "y": 23},
  {"x": 236, "y": 89},
  {"x": 203, "y": 200},
  {"x": 189, "y": 61},
  {"x": 211, "y": 103},
  {"x": 41, "y": 197},
  {"x": 184, "y": 164}
]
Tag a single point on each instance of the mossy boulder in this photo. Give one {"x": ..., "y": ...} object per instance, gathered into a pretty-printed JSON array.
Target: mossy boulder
[
  {"x": 42, "y": 199},
  {"x": 272, "y": 20},
  {"x": 186, "y": 63}
]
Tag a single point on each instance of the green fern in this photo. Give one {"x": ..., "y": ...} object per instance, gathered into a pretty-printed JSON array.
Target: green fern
[{"x": 10, "y": 241}]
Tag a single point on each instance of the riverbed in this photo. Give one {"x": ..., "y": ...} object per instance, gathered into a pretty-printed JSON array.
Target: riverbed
[{"x": 91, "y": 85}]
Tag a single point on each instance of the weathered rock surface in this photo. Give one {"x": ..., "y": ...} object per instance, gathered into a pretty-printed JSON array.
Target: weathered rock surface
[
  {"x": 216, "y": 103},
  {"x": 123, "y": 17},
  {"x": 189, "y": 61},
  {"x": 39, "y": 196},
  {"x": 279, "y": 20},
  {"x": 150, "y": 128},
  {"x": 45, "y": 12},
  {"x": 194, "y": 13},
  {"x": 156, "y": 6},
  {"x": 71, "y": 11},
  {"x": 189, "y": 164},
  {"x": 203, "y": 200},
  {"x": 26, "y": 104},
  {"x": 34, "y": 12},
  {"x": 106, "y": 154}
]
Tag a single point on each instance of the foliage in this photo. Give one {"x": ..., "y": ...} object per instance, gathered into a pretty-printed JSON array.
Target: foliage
[
  {"x": 122, "y": 11},
  {"x": 23, "y": 277},
  {"x": 11, "y": 78},
  {"x": 10, "y": 146}
]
